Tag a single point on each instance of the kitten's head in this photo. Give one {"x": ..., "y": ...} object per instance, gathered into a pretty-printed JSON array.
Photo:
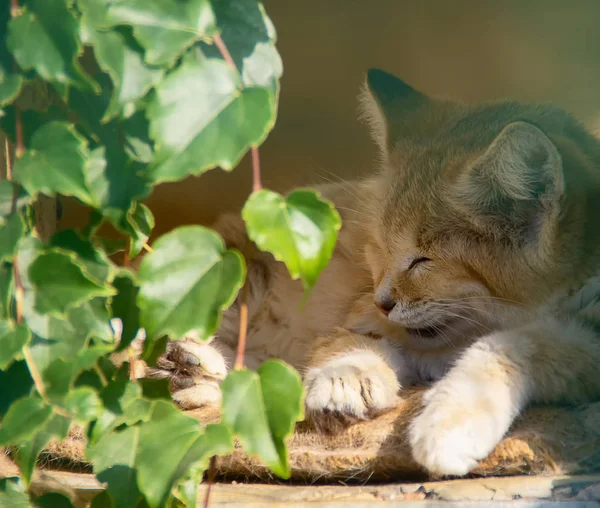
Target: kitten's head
[{"x": 479, "y": 211}]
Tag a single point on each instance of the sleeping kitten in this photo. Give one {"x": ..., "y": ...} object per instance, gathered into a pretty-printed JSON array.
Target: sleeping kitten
[{"x": 468, "y": 260}]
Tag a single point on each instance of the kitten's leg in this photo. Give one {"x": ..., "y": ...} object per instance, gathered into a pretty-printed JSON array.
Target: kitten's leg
[
  {"x": 469, "y": 410},
  {"x": 351, "y": 377}
]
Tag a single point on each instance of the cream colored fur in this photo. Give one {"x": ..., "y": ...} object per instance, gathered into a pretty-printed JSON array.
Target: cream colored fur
[{"x": 468, "y": 261}]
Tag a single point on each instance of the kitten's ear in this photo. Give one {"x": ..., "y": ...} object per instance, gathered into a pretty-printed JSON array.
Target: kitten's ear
[
  {"x": 518, "y": 181},
  {"x": 383, "y": 100}
]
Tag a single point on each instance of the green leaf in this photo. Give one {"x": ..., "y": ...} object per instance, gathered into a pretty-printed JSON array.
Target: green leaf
[
  {"x": 84, "y": 404},
  {"x": 161, "y": 463},
  {"x": 124, "y": 308},
  {"x": 301, "y": 230},
  {"x": 115, "y": 183},
  {"x": 12, "y": 229},
  {"x": 10, "y": 86},
  {"x": 124, "y": 63},
  {"x": 113, "y": 457},
  {"x": 12, "y": 341},
  {"x": 53, "y": 500},
  {"x": 57, "y": 427},
  {"x": 10, "y": 83},
  {"x": 12, "y": 494},
  {"x": 6, "y": 278},
  {"x": 7, "y": 190},
  {"x": 123, "y": 403},
  {"x": 55, "y": 163},
  {"x": 44, "y": 37},
  {"x": 165, "y": 28},
  {"x": 60, "y": 283},
  {"x": 201, "y": 117},
  {"x": 95, "y": 263},
  {"x": 23, "y": 419},
  {"x": 262, "y": 408},
  {"x": 186, "y": 282},
  {"x": 282, "y": 392},
  {"x": 250, "y": 38},
  {"x": 139, "y": 226}
]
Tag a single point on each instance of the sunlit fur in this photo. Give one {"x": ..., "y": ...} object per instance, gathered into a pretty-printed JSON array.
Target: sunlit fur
[{"x": 481, "y": 228}]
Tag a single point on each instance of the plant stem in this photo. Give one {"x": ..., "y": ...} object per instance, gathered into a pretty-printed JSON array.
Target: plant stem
[
  {"x": 256, "y": 186},
  {"x": 256, "y": 181},
  {"x": 241, "y": 348},
  {"x": 224, "y": 52},
  {"x": 212, "y": 466}
]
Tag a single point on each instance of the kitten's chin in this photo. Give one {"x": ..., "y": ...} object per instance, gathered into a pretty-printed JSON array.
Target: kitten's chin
[{"x": 451, "y": 334}]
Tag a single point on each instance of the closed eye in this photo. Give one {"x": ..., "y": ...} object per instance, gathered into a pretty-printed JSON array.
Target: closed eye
[{"x": 417, "y": 261}]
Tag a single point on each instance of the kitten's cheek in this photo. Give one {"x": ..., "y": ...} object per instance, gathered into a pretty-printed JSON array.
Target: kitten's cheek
[{"x": 460, "y": 425}]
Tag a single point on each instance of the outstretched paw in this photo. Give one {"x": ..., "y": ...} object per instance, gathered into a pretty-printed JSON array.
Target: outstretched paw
[
  {"x": 459, "y": 426},
  {"x": 352, "y": 387}
]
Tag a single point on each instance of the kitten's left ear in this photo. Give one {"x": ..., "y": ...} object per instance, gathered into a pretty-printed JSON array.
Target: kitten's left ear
[
  {"x": 384, "y": 102},
  {"x": 518, "y": 180}
]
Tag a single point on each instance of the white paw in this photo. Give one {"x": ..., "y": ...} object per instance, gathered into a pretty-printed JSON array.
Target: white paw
[
  {"x": 459, "y": 426},
  {"x": 358, "y": 384}
]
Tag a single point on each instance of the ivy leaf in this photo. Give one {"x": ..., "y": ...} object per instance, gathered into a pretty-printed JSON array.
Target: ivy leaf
[
  {"x": 161, "y": 463},
  {"x": 186, "y": 282},
  {"x": 45, "y": 37},
  {"x": 123, "y": 403},
  {"x": 12, "y": 341},
  {"x": 12, "y": 229},
  {"x": 83, "y": 402},
  {"x": 6, "y": 277},
  {"x": 165, "y": 28},
  {"x": 56, "y": 163},
  {"x": 96, "y": 264},
  {"x": 12, "y": 493},
  {"x": 113, "y": 457},
  {"x": 139, "y": 226},
  {"x": 60, "y": 283},
  {"x": 10, "y": 86},
  {"x": 301, "y": 230},
  {"x": 201, "y": 117},
  {"x": 28, "y": 452},
  {"x": 23, "y": 418},
  {"x": 262, "y": 408},
  {"x": 10, "y": 83},
  {"x": 132, "y": 78},
  {"x": 7, "y": 189},
  {"x": 250, "y": 38},
  {"x": 124, "y": 308}
]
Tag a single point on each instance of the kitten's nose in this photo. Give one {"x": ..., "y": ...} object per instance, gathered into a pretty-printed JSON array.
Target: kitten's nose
[{"x": 385, "y": 305}]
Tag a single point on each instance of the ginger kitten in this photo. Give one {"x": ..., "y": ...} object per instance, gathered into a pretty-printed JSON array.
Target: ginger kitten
[{"x": 468, "y": 260}]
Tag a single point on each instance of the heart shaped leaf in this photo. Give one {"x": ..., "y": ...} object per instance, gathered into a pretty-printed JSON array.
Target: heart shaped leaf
[
  {"x": 262, "y": 409},
  {"x": 186, "y": 282},
  {"x": 202, "y": 117},
  {"x": 301, "y": 230}
]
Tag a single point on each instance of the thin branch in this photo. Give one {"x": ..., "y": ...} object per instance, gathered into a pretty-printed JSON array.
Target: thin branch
[
  {"x": 212, "y": 468},
  {"x": 256, "y": 181},
  {"x": 147, "y": 248},
  {"x": 101, "y": 375},
  {"x": 224, "y": 52},
  {"x": 19, "y": 145},
  {"x": 241, "y": 348}
]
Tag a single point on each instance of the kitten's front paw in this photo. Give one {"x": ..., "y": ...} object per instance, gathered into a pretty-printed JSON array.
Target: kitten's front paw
[
  {"x": 458, "y": 427},
  {"x": 195, "y": 370},
  {"x": 351, "y": 387}
]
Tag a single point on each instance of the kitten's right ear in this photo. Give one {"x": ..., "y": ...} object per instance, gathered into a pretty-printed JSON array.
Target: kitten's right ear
[{"x": 383, "y": 101}]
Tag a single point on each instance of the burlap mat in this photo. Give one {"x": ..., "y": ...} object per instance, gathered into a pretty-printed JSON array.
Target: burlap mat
[{"x": 545, "y": 440}]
